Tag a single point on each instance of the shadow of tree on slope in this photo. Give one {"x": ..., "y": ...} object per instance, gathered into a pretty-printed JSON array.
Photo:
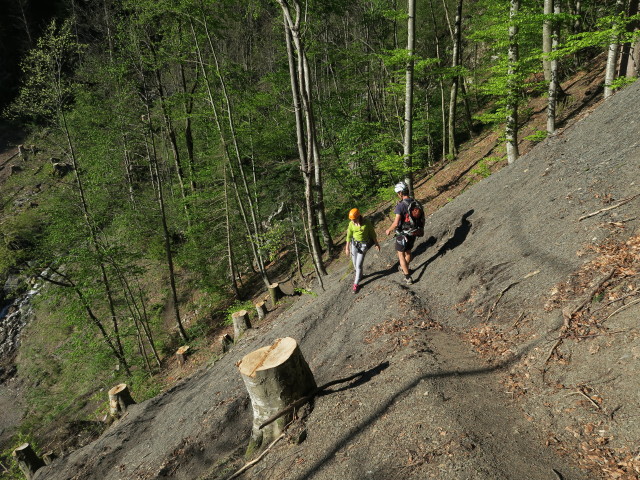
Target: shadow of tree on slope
[
  {"x": 459, "y": 236},
  {"x": 352, "y": 433}
]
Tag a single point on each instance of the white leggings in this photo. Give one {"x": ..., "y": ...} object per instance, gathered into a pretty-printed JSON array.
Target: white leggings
[{"x": 357, "y": 257}]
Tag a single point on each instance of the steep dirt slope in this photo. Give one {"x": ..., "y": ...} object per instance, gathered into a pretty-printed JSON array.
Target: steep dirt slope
[{"x": 497, "y": 273}]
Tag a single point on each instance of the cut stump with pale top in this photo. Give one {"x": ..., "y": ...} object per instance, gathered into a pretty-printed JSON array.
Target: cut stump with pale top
[
  {"x": 119, "y": 400},
  {"x": 241, "y": 323},
  {"x": 27, "y": 460},
  {"x": 181, "y": 354},
  {"x": 275, "y": 376}
]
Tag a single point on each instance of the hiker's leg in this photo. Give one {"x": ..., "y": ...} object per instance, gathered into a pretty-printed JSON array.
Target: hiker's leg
[
  {"x": 401, "y": 247},
  {"x": 407, "y": 258},
  {"x": 354, "y": 260},
  {"x": 359, "y": 260},
  {"x": 403, "y": 263}
]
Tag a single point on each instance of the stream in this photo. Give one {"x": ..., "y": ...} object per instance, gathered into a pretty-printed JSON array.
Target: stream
[
  {"x": 15, "y": 315},
  {"x": 13, "y": 318}
]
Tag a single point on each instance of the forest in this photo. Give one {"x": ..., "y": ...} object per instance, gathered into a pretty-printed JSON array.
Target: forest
[{"x": 180, "y": 155}]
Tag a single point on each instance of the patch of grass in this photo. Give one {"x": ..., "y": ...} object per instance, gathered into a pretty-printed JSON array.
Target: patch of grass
[
  {"x": 537, "y": 136},
  {"x": 236, "y": 307},
  {"x": 301, "y": 291},
  {"x": 483, "y": 169}
]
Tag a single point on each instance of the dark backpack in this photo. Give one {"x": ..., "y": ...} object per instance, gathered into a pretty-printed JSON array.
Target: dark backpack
[{"x": 413, "y": 221}]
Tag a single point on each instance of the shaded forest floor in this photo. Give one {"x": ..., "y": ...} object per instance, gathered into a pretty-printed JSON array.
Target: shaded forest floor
[{"x": 512, "y": 356}]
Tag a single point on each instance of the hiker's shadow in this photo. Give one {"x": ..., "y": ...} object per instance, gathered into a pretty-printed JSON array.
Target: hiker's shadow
[
  {"x": 459, "y": 236},
  {"x": 360, "y": 379},
  {"x": 379, "y": 274}
]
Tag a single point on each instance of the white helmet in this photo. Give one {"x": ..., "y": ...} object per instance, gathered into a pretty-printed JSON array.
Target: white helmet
[{"x": 401, "y": 187}]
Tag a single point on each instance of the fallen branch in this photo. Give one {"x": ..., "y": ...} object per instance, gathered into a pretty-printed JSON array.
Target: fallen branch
[
  {"x": 587, "y": 298},
  {"x": 515, "y": 324},
  {"x": 583, "y": 393},
  {"x": 568, "y": 315},
  {"x": 248, "y": 465},
  {"x": 619, "y": 204},
  {"x": 623, "y": 307},
  {"x": 504, "y": 290}
]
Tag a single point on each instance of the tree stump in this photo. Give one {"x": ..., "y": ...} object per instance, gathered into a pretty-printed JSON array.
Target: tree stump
[
  {"x": 27, "y": 460},
  {"x": 275, "y": 376},
  {"x": 275, "y": 293},
  {"x": 226, "y": 342},
  {"x": 119, "y": 400},
  {"x": 261, "y": 309},
  {"x": 241, "y": 323},
  {"x": 181, "y": 354}
]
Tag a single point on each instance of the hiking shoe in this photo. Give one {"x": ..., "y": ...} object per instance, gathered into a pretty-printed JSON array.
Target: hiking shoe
[
  {"x": 356, "y": 288},
  {"x": 408, "y": 279}
]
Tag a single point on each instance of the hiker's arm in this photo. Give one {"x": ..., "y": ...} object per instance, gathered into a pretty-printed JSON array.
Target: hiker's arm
[
  {"x": 395, "y": 223},
  {"x": 374, "y": 236},
  {"x": 348, "y": 242}
]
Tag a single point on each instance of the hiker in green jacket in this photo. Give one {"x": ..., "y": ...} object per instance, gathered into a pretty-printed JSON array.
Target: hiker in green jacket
[{"x": 360, "y": 237}]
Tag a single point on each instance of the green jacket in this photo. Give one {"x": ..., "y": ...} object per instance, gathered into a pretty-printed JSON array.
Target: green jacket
[{"x": 363, "y": 233}]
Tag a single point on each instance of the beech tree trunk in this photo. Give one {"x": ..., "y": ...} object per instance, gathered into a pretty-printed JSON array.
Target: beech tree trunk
[
  {"x": 613, "y": 55},
  {"x": 553, "y": 69},
  {"x": 511, "y": 132},
  {"x": 275, "y": 376},
  {"x": 119, "y": 400},
  {"x": 408, "y": 97},
  {"x": 453, "y": 99},
  {"x": 27, "y": 460},
  {"x": 547, "y": 33},
  {"x": 305, "y": 126},
  {"x": 628, "y": 65}
]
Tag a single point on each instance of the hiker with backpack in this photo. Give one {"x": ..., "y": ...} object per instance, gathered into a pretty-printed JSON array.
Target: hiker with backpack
[
  {"x": 360, "y": 237},
  {"x": 407, "y": 226}
]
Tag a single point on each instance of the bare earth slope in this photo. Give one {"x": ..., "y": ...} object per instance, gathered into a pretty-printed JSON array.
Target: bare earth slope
[{"x": 473, "y": 372}]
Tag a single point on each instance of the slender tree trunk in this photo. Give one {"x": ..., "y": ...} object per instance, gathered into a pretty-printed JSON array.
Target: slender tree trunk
[
  {"x": 511, "y": 132},
  {"x": 304, "y": 92},
  {"x": 408, "y": 97},
  {"x": 68, "y": 283},
  {"x": 93, "y": 235},
  {"x": 547, "y": 34},
  {"x": 443, "y": 130},
  {"x": 628, "y": 67},
  {"x": 157, "y": 180},
  {"x": 455, "y": 63},
  {"x": 139, "y": 314},
  {"x": 232, "y": 266},
  {"x": 303, "y": 120},
  {"x": 613, "y": 54},
  {"x": 173, "y": 143},
  {"x": 553, "y": 70},
  {"x": 225, "y": 148}
]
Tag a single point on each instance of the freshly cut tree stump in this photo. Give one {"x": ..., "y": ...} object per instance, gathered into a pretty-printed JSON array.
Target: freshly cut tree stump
[
  {"x": 261, "y": 309},
  {"x": 275, "y": 293},
  {"x": 27, "y": 460},
  {"x": 226, "y": 342},
  {"x": 181, "y": 354},
  {"x": 241, "y": 323},
  {"x": 119, "y": 400},
  {"x": 275, "y": 376}
]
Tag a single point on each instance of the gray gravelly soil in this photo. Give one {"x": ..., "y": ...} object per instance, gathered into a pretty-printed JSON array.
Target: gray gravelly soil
[{"x": 429, "y": 406}]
